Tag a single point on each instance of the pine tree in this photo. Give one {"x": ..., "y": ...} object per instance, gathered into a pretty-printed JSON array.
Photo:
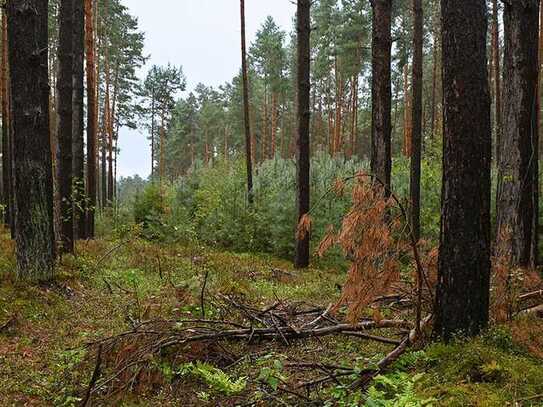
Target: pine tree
[
  {"x": 246, "y": 117},
  {"x": 65, "y": 109},
  {"x": 381, "y": 161},
  {"x": 416, "y": 116},
  {"x": 91, "y": 118},
  {"x": 33, "y": 178},
  {"x": 303, "y": 30},
  {"x": 7, "y": 178},
  {"x": 518, "y": 201},
  {"x": 462, "y": 297},
  {"x": 78, "y": 126}
]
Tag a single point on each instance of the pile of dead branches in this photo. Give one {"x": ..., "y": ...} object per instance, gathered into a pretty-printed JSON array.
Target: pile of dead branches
[{"x": 122, "y": 358}]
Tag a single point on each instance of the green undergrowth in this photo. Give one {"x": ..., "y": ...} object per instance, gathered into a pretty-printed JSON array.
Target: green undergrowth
[{"x": 45, "y": 360}]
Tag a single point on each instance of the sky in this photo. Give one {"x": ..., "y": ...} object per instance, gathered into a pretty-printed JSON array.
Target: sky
[{"x": 203, "y": 36}]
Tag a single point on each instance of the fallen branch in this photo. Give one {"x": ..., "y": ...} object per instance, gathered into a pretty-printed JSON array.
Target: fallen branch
[
  {"x": 280, "y": 332},
  {"x": 390, "y": 358},
  {"x": 534, "y": 295},
  {"x": 202, "y": 294},
  {"x": 111, "y": 251},
  {"x": 94, "y": 378}
]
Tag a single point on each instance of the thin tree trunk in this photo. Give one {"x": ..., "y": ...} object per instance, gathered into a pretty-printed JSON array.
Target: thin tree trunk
[
  {"x": 274, "y": 125},
  {"x": 152, "y": 133},
  {"x": 264, "y": 138},
  {"x": 381, "y": 163},
  {"x": 226, "y": 143},
  {"x": 338, "y": 143},
  {"x": 406, "y": 113},
  {"x": 462, "y": 296},
  {"x": 496, "y": 73},
  {"x": 518, "y": 207},
  {"x": 434, "y": 77},
  {"x": 91, "y": 119},
  {"x": 249, "y": 166},
  {"x": 162, "y": 164},
  {"x": 78, "y": 126},
  {"x": 416, "y": 117},
  {"x": 65, "y": 109},
  {"x": 303, "y": 29},
  {"x": 111, "y": 121},
  {"x": 28, "y": 44}
]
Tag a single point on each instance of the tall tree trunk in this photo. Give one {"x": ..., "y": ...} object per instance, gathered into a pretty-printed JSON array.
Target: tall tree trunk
[
  {"x": 539, "y": 78},
  {"x": 274, "y": 125},
  {"x": 407, "y": 131},
  {"x": 28, "y": 44},
  {"x": 303, "y": 29},
  {"x": 247, "y": 123},
  {"x": 115, "y": 152},
  {"x": 354, "y": 117},
  {"x": 435, "y": 58},
  {"x": 518, "y": 207},
  {"x": 264, "y": 138},
  {"x": 6, "y": 156},
  {"x": 78, "y": 126},
  {"x": 91, "y": 119},
  {"x": 162, "y": 163},
  {"x": 416, "y": 117},
  {"x": 381, "y": 131},
  {"x": 65, "y": 110},
  {"x": 111, "y": 121},
  {"x": 462, "y": 296},
  {"x": 338, "y": 143},
  {"x": 153, "y": 133},
  {"x": 496, "y": 73},
  {"x": 226, "y": 143}
]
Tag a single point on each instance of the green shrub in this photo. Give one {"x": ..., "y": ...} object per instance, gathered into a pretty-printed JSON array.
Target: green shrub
[{"x": 210, "y": 203}]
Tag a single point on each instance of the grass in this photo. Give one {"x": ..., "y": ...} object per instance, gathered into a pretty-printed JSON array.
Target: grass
[{"x": 44, "y": 360}]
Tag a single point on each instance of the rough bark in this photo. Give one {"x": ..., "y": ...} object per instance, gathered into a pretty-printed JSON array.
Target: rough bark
[
  {"x": 435, "y": 69},
  {"x": 517, "y": 207},
  {"x": 65, "y": 98},
  {"x": 416, "y": 117},
  {"x": 303, "y": 29},
  {"x": 462, "y": 296},
  {"x": 247, "y": 124},
  {"x": 381, "y": 129},
  {"x": 496, "y": 73},
  {"x": 91, "y": 119},
  {"x": 78, "y": 125},
  {"x": 6, "y": 156},
  {"x": 28, "y": 52}
]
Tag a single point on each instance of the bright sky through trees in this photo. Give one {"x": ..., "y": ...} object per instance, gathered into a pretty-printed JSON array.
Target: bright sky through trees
[{"x": 203, "y": 37}]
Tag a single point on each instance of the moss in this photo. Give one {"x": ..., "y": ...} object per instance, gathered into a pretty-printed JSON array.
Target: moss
[{"x": 480, "y": 372}]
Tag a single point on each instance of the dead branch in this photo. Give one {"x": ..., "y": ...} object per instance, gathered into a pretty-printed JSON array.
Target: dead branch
[
  {"x": 202, "y": 294},
  {"x": 280, "y": 332},
  {"x": 112, "y": 250},
  {"x": 94, "y": 378},
  {"x": 390, "y": 358}
]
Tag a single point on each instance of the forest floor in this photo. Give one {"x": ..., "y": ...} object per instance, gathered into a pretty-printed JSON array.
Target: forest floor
[{"x": 46, "y": 332}]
